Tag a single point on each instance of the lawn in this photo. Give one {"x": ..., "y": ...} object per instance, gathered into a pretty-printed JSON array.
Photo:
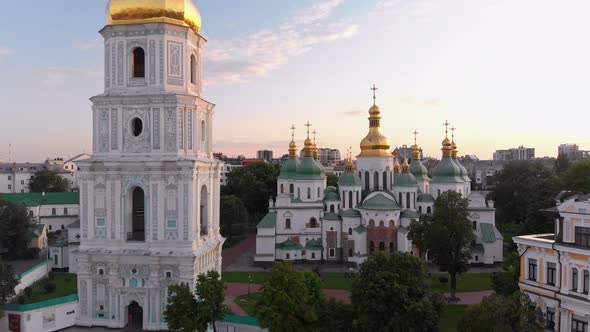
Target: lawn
[
  {"x": 247, "y": 302},
  {"x": 65, "y": 284},
  {"x": 468, "y": 282},
  {"x": 450, "y": 317}
]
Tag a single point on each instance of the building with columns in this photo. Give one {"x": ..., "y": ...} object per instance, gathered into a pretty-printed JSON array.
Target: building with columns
[
  {"x": 149, "y": 194},
  {"x": 371, "y": 209},
  {"x": 555, "y": 268}
]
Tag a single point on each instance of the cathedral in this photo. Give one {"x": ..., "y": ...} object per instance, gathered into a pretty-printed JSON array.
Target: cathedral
[
  {"x": 149, "y": 195},
  {"x": 372, "y": 207}
]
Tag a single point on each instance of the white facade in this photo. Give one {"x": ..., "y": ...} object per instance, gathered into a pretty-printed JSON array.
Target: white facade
[
  {"x": 150, "y": 192},
  {"x": 44, "y": 318}
]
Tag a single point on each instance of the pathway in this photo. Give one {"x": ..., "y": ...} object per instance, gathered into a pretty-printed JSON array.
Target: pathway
[
  {"x": 230, "y": 255},
  {"x": 471, "y": 297}
]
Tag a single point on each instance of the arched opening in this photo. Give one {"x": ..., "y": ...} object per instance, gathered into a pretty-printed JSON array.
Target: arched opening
[
  {"x": 381, "y": 223},
  {"x": 428, "y": 209},
  {"x": 204, "y": 211},
  {"x": 400, "y": 199},
  {"x": 203, "y": 131},
  {"x": 586, "y": 280},
  {"x": 308, "y": 193},
  {"x": 332, "y": 208},
  {"x": 136, "y": 216},
  {"x": 193, "y": 69},
  {"x": 138, "y": 63},
  {"x": 134, "y": 317},
  {"x": 288, "y": 223},
  {"x": 408, "y": 200},
  {"x": 313, "y": 223},
  {"x": 381, "y": 246},
  {"x": 349, "y": 231},
  {"x": 282, "y": 188},
  {"x": 350, "y": 199},
  {"x": 391, "y": 246},
  {"x": 385, "y": 181},
  {"x": 376, "y": 181},
  {"x": 136, "y": 126},
  {"x": 367, "y": 179},
  {"x": 291, "y": 188},
  {"x": 420, "y": 208},
  {"x": 371, "y": 247}
]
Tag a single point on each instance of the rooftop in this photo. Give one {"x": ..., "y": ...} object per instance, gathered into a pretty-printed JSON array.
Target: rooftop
[{"x": 36, "y": 199}]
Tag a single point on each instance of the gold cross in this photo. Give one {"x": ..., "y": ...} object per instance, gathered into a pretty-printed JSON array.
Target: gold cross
[
  {"x": 308, "y": 125},
  {"x": 446, "y": 124},
  {"x": 415, "y": 136},
  {"x": 453, "y": 133},
  {"x": 374, "y": 88},
  {"x": 314, "y": 133},
  {"x": 292, "y": 132}
]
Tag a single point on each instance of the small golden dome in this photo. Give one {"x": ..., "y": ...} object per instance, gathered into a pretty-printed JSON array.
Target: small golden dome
[
  {"x": 179, "y": 12},
  {"x": 292, "y": 149},
  {"x": 375, "y": 144},
  {"x": 446, "y": 142},
  {"x": 374, "y": 110},
  {"x": 405, "y": 166},
  {"x": 396, "y": 165}
]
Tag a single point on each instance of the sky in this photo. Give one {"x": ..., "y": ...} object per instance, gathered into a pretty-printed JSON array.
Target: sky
[{"x": 503, "y": 72}]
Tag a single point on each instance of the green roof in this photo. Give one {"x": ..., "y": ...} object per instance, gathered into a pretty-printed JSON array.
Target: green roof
[
  {"x": 447, "y": 171},
  {"x": 36, "y": 199},
  {"x": 405, "y": 180},
  {"x": 242, "y": 320},
  {"x": 425, "y": 198},
  {"x": 418, "y": 170},
  {"x": 331, "y": 216},
  {"x": 463, "y": 170},
  {"x": 349, "y": 213},
  {"x": 314, "y": 244},
  {"x": 42, "y": 304},
  {"x": 360, "y": 229},
  {"x": 410, "y": 214},
  {"x": 332, "y": 197},
  {"x": 379, "y": 202},
  {"x": 288, "y": 245},
  {"x": 309, "y": 169},
  {"x": 349, "y": 179},
  {"x": 330, "y": 189},
  {"x": 289, "y": 169},
  {"x": 37, "y": 230},
  {"x": 487, "y": 233},
  {"x": 269, "y": 221}
]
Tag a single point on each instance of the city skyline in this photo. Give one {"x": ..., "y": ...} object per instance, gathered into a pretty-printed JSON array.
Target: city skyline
[{"x": 501, "y": 82}]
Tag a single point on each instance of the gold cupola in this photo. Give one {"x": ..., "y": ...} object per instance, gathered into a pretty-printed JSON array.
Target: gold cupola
[
  {"x": 179, "y": 12},
  {"x": 375, "y": 144},
  {"x": 396, "y": 165},
  {"x": 315, "y": 149},
  {"x": 405, "y": 166}
]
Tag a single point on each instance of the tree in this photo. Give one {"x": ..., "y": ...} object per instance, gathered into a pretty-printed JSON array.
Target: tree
[
  {"x": 181, "y": 310},
  {"x": 332, "y": 180},
  {"x": 232, "y": 211},
  {"x": 288, "y": 299},
  {"x": 391, "y": 294},
  {"x": 498, "y": 313},
  {"x": 49, "y": 181},
  {"x": 505, "y": 283},
  {"x": 562, "y": 163},
  {"x": 523, "y": 189},
  {"x": 447, "y": 235},
  {"x": 8, "y": 282},
  {"x": 15, "y": 228},
  {"x": 335, "y": 316},
  {"x": 577, "y": 177},
  {"x": 210, "y": 294}
]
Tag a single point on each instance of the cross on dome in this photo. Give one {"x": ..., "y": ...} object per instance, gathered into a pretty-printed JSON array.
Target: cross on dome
[
  {"x": 446, "y": 124},
  {"x": 374, "y": 88},
  {"x": 292, "y": 132},
  {"x": 308, "y": 125},
  {"x": 415, "y": 136}
]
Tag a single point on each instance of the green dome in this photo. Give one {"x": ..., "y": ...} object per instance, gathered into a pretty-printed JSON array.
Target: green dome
[
  {"x": 447, "y": 171},
  {"x": 309, "y": 169},
  {"x": 418, "y": 170},
  {"x": 405, "y": 180},
  {"x": 289, "y": 169},
  {"x": 424, "y": 198},
  {"x": 331, "y": 197},
  {"x": 319, "y": 165},
  {"x": 330, "y": 189},
  {"x": 349, "y": 180},
  {"x": 463, "y": 170}
]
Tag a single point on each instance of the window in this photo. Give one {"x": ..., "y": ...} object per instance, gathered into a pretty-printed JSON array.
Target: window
[
  {"x": 367, "y": 188},
  {"x": 50, "y": 228},
  {"x": 381, "y": 246},
  {"x": 550, "y": 274},
  {"x": 101, "y": 307},
  {"x": 136, "y": 127},
  {"x": 583, "y": 236},
  {"x": 586, "y": 280},
  {"x": 100, "y": 222},
  {"x": 420, "y": 209},
  {"x": 9, "y": 187},
  {"x": 100, "y": 272},
  {"x": 429, "y": 210},
  {"x": 332, "y": 208},
  {"x": 168, "y": 275},
  {"x": 9, "y": 177},
  {"x": 475, "y": 225},
  {"x": 22, "y": 181},
  {"x": 308, "y": 193},
  {"x": 65, "y": 210},
  {"x": 171, "y": 224},
  {"x": 532, "y": 269},
  {"x": 550, "y": 319},
  {"x": 408, "y": 201},
  {"x": 349, "y": 231},
  {"x": 350, "y": 253},
  {"x": 371, "y": 247},
  {"x": 298, "y": 192},
  {"x": 579, "y": 325},
  {"x": 384, "y": 180},
  {"x": 288, "y": 223},
  {"x": 313, "y": 255},
  {"x": 53, "y": 212},
  {"x": 55, "y": 259},
  {"x": 476, "y": 258},
  {"x": 391, "y": 246},
  {"x": 203, "y": 131},
  {"x": 332, "y": 253},
  {"x": 287, "y": 256},
  {"x": 376, "y": 181},
  {"x": 350, "y": 199},
  {"x": 138, "y": 63},
  {"x": 282, "y": 188},
  {"x": 399, "y": 196},
  {"x": 193, "y": 69},
  {"x": 313, "y": 223},
  {"x": 574, "y": 279}
]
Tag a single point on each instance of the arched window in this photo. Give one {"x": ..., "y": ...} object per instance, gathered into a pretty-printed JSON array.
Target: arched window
[
  {"x": 204, "y": 212},
  {"x": 381, "y": 246},
  {"x": 291, "y": 188},
  {"x": 308, "y": 193},
  {"x": 408, "y": 200},
  {"x": 400, "y": 199},
  {"x": 390, "y": 246},
  {"x": 193, "y": 69},
  {"x": 319, "y": 194},
  {"x": 574, "y": 279},
  {"x": 376, "y": 181},
  {"x": 381, "y": 223},
  {"x": 586, "y": 281},
  {"x": 138, "y": 63},
  {"x": 371, "y": 247},
  {"x": 420, "y": 208},
  {"x": 367, "y": 180},
  {"x": 287, "y": 223},
  {"x": 313, "y": 223},
  {"x": 350, "y": 199},
  {"x": 385, "y": 181},
  {"x": 428, "y": 209},
  {"x": 332, "y": 208},
  {"x": 349, "y": 231},
  {"x": 357, "y": 197},
  {"x": 282, "y": 188},
  {"x": 203, "y": 131},
  {"x": 136, "y": 214},
  {"x": 298, "y": 192}
]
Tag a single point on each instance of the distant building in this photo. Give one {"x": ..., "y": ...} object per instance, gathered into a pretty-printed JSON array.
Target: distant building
[
  {"x": 519, "y": 153},
  {"x": 572, "y": 151},
  {"x": 264, "y": 155},
  {"x": 329, "y": 157},
  {"x": 482, "y": 171},
  {"x": 55, "y": 210},
  {"x": 405, "y": 152}
]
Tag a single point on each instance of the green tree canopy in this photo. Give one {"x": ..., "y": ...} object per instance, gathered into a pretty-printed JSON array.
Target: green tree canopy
[
  {"x": 254, "y": 184},
  {"x": 506, "y": 282},
  {"x": 50, "y": 182},
  {"x": 562, "y": 163},
  {"x": 8, "y": 282},
  {"x": 181, "y": 310},
  {"x": 289, "y": 299},
  {"x": 232, "y": 211},
  {"x": 498, "y": 313},
  {"x": 332, "y": 180},
  {"x": 210, "y": 294},
  {"x": 15, "y": 228},
  {"x": 391, "y": 294},
  {"x": 523, "y": 189},
  {"x": 577, "y": 177},
  {"x": 447, "y": 235}
]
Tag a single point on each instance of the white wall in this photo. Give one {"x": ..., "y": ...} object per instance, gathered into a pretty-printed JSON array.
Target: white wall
[
  {"x": 31, "y": 276},
  {"x": 46, "y": 319}
]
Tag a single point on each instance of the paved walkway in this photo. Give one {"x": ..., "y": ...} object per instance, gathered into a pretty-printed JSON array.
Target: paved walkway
[
  {"x": 471, "y": 297},
  {"x": 230, "y": 255}
]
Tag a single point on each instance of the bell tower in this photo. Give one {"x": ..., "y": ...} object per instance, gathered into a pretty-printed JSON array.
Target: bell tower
[{"x": 149, "y": 195}]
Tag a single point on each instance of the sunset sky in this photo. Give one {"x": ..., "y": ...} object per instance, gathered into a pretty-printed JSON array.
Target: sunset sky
[{"x": 504, "y": 72}]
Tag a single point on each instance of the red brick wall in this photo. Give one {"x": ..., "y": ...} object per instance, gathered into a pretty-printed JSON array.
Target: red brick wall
[{"x": 381, "y": 232}]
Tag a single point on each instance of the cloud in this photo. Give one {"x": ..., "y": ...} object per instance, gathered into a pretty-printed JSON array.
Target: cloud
[
  {"x": 5, "y": 52},
  {"x": 239, "y": 59},
  {"x": 97, "y": 43},
  {"x": 355, "y": 113}
]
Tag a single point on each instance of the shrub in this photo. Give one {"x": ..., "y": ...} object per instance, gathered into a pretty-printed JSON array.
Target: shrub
[
  {"x": 443, "y": 279},
  {"x": 49, "y": 287},
  {"x": 28, "y": 292},
  {"x": 20, "y": 300}
]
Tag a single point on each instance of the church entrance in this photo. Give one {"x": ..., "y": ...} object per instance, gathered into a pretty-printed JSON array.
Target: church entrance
[{"x": 134, "y": 317}]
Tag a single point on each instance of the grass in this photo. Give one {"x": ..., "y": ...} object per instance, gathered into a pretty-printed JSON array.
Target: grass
[
  {"x": 233, "y": 240},
  {"x": 468, "y": 282},
  {"x": 450, "y": 317},
  {"x": 247, "y": 302},
  {"x": 65, "y": 284},
  {"x": 337, "y": 280}
]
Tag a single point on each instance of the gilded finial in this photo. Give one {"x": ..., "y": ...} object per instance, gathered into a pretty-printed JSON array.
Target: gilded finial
[
  {"x": 454, "y": 151},
  {"x": 292, "y": 144},
  {"x": 374, "y": 88},
  {"x": 292, "y": 132},
  {"x": 405, "y": 166},
  {"x": 453, "y": 133},
  {"x": 446, "y": 124},
  {"x": 308, "y": 125},
  {"x": 415, "y": 136}
]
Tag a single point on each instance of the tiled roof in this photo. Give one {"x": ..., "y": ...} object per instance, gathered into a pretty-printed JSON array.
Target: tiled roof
[
  {"x": 314, "y": 244},
  {"x": 360, "y": 229},
  {"x": 289, "y": 245},
  {"x": 36, "y": 199},
  {"x": 379, "y": 202},
  {"x": 269, "y": 221},
  {"x": 488, "y": 234}
]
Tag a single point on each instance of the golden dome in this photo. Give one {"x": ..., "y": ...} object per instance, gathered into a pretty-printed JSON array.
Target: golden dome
[
  {"x": 396, "y": 165},
  {"x": 415, "y": 152},
  {"x": 405, "y": 166},
  {"x": 447, "y": 147},
  {"x": 454, "y": 150},
  {"x": 179, "y": 12},
  {"x": 374, "y": 110},
  {"x": 375, "y": 144},
  {"x": 292, "y": 149}
]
